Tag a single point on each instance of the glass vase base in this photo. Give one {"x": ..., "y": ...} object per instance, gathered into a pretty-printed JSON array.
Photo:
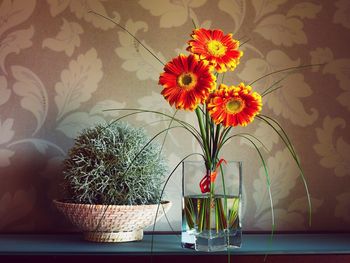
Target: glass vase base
[
  {"x": 211, "y": 220},
  {"x": 235, "y": 239},
  {"x": 209, "y": 242}
]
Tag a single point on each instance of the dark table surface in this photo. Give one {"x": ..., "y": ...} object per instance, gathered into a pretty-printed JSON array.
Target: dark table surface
[{"x": 164, "y": 244}]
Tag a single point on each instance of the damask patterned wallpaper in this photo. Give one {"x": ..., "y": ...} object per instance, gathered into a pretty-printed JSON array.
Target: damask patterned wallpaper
[{"x": 60, "y": 66}]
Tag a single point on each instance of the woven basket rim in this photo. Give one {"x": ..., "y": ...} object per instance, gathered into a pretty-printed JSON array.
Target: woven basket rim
[
  {"x": 111, "y": 219},
  {"x": 68, "y": 203}
]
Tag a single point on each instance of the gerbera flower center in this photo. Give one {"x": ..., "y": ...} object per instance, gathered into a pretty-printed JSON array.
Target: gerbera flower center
[
  {"x": 234, "y": 106},
  {"x": 216, "y": 48},
  {"x": 187, "y": 80}
]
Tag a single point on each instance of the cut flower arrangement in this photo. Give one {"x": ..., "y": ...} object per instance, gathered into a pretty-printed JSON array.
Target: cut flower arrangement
[
  {"x": 195, "y": 83},
  {"x": 190, "y": 82}
]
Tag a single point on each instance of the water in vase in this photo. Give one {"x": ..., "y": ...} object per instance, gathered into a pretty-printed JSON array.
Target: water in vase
[{"x": 211, "y": 222}]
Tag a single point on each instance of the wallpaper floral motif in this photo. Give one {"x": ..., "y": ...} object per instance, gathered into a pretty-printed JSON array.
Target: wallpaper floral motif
[{"x": 61, "y": 66}]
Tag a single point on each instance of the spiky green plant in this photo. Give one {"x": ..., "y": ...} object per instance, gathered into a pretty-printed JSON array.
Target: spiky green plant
[{"x": 109, "y": 164}]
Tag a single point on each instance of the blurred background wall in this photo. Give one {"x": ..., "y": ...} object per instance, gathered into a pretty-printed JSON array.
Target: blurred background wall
[{"x": 60, "y": 66}]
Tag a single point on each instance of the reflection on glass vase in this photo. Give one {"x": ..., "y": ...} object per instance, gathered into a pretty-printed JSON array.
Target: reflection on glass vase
[{"x": 211, "y": 221}]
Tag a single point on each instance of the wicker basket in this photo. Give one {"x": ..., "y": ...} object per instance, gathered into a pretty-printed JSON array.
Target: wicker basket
[{"x": 112, "y": 223}]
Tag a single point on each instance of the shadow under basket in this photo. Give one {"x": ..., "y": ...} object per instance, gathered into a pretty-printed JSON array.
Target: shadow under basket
[{"x": 112, "y": 223}]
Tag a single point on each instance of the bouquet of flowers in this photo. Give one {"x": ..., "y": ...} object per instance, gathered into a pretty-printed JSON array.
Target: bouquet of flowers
[
  {"x": 195, "y": 83},
  {"x": 190, "y": 83}
]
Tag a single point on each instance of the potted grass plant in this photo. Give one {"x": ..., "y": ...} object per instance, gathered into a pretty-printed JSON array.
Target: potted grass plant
[{"x": 113, "y": 179}]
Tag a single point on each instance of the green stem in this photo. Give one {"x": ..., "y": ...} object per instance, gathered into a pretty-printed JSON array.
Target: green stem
[
  {"x": 204, "y": 138},
  {"x": 208, "y": 131},
  {"x": 216, "y": 141},
  {"x": 222, "y": 139},
  {"x": 217, "y": 217},
  {"x": 224, "y": 189}
]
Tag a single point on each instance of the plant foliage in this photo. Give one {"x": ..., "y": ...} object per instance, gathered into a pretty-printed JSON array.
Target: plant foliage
[{"x": 114, "y": 164}]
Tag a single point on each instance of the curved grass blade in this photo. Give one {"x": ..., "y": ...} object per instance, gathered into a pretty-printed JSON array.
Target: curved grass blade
[
  {"x": 222, "y": 138},
  {"x": 131, "y": 163},
  {"x": 194, "y": 23},
  {"x": 284, "y": 70},
  {"x": 166, "y": 134},
  {"x": 268, "y": 182},
  {"x": 145, "y": 146},
  {"x": 274, "y": 84},
  {"x": 222, "y": 78},
  {"x": 153, "y": 122},
  {"x": 272, "y": 90},
  {"x": 233, "y": 217},
  {"x": 189, "y": 210},
  {"x": 246, "y": 41},
  {"x": 283, "y": 135},
  {"x": 138, "y": 111},
  {"x": 247, "y": 134},
  {"x": 204, "y": 138},
  {"x": 162, "y": 193},
  {"x": 185, "y": 125},
  {"x": 127, "y": 31}
]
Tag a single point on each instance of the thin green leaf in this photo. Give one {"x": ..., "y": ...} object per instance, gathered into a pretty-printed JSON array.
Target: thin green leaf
[
  {"x": 222, "y": 78},
  {"x": 166, "y": 134},
  {"x": 127, "y": 31},
  {"x": 275, "y": 83},
  {"x": 241, "y": 44},
  {"x": 272, "y": 90},
  {"x": 222, "y": 138},
  {"x": 162, "y": 193},
  {"x": 191, "y": 128},
  {"x": 266, "y": 173},
  {"x": 204, "y": 138},
  {"x": 148, "y": 124},
  {"x": 247, "y": 134},
  {"x": 283, "y": 135},
  {"x": 284, "y": 70},
  {"x": 194, "y": 23},
  {"x": 145, "y": 146},
  {"x": 268, "y": 182}
]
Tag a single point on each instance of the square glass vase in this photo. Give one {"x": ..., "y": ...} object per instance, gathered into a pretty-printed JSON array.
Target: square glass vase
[{"x": 211, "y": 221}]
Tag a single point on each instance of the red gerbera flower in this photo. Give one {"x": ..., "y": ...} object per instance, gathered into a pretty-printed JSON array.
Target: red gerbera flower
[
  {"x": 234, "y": 106},
  {"x": 187, "y": 81},
  {"x": 219, "y": 49}
]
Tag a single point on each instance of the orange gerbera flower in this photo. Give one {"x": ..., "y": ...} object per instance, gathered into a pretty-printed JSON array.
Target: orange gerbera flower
[
  {"x": 234, "y": 106},
  {"x": 187, "y": 81},
  {"x": 219, "y": 49}
]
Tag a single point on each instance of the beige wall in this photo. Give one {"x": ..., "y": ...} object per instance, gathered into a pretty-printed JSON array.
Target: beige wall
[{"x": 60, "y": 66}]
